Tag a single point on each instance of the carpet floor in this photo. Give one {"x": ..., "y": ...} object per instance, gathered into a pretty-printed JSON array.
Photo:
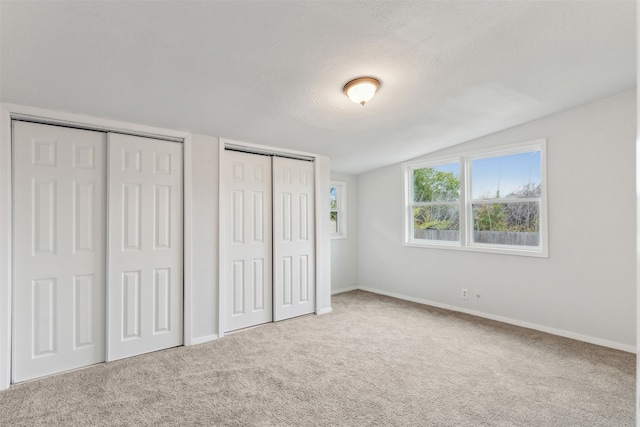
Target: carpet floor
[{"x": 374, "y": 360}]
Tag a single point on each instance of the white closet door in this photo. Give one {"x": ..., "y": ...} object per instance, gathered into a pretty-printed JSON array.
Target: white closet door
[
  {"x": 58, "y": 249},
  {"x": 248, "y": 261},
  {"x": 294, "y": 287},
  {"x": 145, "y": 284}
]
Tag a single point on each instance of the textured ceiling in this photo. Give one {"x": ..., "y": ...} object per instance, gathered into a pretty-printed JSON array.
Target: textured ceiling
[{"x": 271, "y": 72}]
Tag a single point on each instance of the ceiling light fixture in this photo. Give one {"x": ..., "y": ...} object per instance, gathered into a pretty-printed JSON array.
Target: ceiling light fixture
[{"x": 362, "y": 89}]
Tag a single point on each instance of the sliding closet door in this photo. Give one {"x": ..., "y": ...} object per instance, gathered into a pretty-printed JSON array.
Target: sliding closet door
[
  {"x": 145, "y": 285},
  {"x": 58, "y": 240},
  {"x": 247, "y": 240},
  {"x": 294, "y": 287}
]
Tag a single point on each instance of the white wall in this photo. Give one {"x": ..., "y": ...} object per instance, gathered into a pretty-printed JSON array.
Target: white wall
[
  {"x": 585, "y": 289},
  {"x": 204, "y": 294},
  {"x": 344, "y": 252}
]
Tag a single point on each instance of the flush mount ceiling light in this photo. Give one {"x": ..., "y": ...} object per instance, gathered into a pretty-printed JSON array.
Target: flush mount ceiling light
[{"x": 362, "y": 89}]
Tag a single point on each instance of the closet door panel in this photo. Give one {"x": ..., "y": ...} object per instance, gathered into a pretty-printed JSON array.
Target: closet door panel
[
  {"x": 145, "y": 280},
  {"x": 294, "y": 238},
  {"x": 58, "y": 248},
  {"x": 247, "y": 240}
]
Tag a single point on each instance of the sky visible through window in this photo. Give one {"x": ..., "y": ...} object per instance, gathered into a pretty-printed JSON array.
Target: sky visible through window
[{"x": 507, "y": 174}]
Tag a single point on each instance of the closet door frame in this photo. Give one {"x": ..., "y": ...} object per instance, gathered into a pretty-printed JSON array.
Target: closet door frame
[
  {"x": 9, "y": 112},
  {"x": 321, "y": 227}
]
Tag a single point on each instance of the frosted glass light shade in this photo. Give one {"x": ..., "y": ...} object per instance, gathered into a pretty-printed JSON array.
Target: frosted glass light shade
[{"x": 362, "y": 89}]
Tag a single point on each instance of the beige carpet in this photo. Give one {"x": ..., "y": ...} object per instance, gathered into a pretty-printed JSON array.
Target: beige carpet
[{"x": 373, "y": 361}]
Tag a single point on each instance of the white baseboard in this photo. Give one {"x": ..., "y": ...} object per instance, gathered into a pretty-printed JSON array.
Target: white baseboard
[
  {"x": 202, "y": 340},
  {"x": 553, "y": 331},
  {"x": 341, "y": 290},
  {"x": 325, "y": 310}
]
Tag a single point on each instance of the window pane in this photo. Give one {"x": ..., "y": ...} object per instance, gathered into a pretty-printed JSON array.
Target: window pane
[
  {"x": 333, "y": 193},
  {"x": 437, "y": 184},
  {"x": 516, "y": 224},
  {"x": 512, "y": 176},
  {"x": 436, "y": 222},
  {"x": 334, "y": 222}
]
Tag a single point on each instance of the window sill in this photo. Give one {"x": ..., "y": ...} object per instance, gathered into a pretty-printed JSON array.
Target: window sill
[
  {"x": 338, "y": 236},
  {"x": 535, "y": 253}
]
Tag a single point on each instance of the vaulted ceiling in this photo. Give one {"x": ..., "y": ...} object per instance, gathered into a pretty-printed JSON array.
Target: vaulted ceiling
[{"x": 272, "y": 72}]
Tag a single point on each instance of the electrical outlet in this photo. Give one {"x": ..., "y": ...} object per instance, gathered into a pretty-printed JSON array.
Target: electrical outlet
[{"x": 465, "y": 294}]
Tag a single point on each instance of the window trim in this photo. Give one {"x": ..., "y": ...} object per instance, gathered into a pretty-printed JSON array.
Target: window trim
[
  {"x": 341, "y": 203},
  {"x": 466, "y": 217}
]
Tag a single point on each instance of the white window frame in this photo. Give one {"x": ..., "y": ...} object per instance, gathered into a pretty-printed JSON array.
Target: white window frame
[
  {"x": 466, "y": 212},
  {"x": 341, "y": 209},
  {"x": 409, "y": 203}
]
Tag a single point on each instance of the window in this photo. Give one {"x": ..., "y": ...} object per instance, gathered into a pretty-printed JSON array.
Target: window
[
  {"x": 490, "y": 201},
  {"x": 505, "y": 199},
  {"x": 338, "y": 209},
  {"x": 435, "y": 202}
]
